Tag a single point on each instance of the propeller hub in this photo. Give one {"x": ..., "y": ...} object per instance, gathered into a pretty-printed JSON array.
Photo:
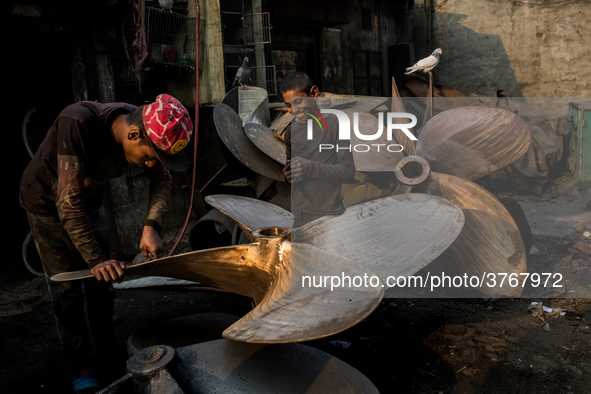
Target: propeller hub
[
  {"x": 270, "y": 240},
  {"x": 412, "y": 170},
  {"x": 277, "y": 233},
  {"x": 150, "y": 361}
]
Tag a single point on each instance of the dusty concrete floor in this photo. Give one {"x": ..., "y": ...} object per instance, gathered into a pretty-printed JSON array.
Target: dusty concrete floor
[{"x": 405, "y": 346}]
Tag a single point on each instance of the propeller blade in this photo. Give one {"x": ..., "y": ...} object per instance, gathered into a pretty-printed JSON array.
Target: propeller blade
[
  {"x": 234, "y": 268},
  {"x": 261, "y": 114},
  {"x": 396, "y": 235},
  {"x": 230, "y": 130},
  {"x": 232, "y": 99},
  {"x": 471, "y": 142},
  {"x": 266, "y": 141},
  {"x": 380, "y": 158},
  {"x": 250, "y": 214},
  {"x": 292, "y": 312},
  {"x": 490, "y": 242}
]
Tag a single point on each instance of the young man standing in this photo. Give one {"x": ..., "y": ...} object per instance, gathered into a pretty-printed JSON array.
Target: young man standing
[
  {"x": 316, "y": 175},
  {"x": 89, "y": 144}
]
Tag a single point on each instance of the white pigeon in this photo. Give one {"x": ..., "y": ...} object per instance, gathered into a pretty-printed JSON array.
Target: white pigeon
[
  {"x": 242, "y": 75},
  {"x": 166, "y": 4},
  {"x": 425, "y": 65}
]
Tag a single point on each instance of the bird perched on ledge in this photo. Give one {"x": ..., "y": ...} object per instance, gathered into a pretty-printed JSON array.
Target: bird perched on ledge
[
  {"x": 242, "y": 75},
  {"x": 166, "y": 4},
  {"x": 425, "y": 65}
]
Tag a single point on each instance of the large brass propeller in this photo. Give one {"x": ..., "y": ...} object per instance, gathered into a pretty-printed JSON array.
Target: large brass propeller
[{"x": 264, "y": 270}]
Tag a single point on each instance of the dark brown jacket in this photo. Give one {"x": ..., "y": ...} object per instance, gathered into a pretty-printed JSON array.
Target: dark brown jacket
[
  {"x": 320, "y": 191},
  {"x": 77, "y": 156}
]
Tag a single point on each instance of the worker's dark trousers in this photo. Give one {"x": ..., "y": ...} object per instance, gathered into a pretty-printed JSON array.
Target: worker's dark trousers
[{"x": 82, "y": 308}]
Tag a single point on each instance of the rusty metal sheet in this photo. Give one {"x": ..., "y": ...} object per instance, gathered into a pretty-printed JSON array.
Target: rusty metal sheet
[
  {"x": 227, "y": 367},
  {"x": 395, "y": 235},
  {"x": 264, "y": 138},
  {"x": 250, "y": 213},
  {"x": 230, "y": 130},
  {"x": 471, "y": 142},
  {"x": 263, "y": 271}
]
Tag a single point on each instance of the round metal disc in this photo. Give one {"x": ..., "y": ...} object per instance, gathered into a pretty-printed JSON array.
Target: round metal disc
[{"x": 227, "y": 367}]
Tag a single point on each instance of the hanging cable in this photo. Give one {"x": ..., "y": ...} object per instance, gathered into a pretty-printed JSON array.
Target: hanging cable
[{"x": 196, "y": 127}]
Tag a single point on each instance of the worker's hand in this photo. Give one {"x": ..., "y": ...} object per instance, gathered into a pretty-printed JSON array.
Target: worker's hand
[
  {"x": 150, "y": 243},
  {"x": 287, "y": 171},
  {"x": 300, "y": 168},
  {"x": 108, "y": 271}
]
